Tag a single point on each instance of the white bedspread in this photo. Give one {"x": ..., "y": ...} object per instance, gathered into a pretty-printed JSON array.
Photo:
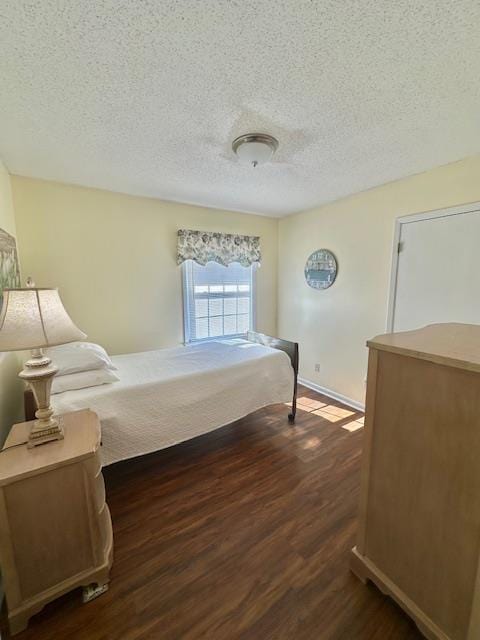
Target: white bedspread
[{"x": 165, "y": 397}]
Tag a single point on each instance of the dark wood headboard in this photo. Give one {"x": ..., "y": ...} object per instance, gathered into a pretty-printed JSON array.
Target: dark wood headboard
[{"x": 291, "y": 349}]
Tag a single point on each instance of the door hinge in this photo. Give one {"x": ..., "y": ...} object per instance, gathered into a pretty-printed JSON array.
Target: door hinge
[{"x": 400, "y": 247}]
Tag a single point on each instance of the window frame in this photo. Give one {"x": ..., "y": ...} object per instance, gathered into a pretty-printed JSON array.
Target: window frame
[{"x": 187, "y": 286}]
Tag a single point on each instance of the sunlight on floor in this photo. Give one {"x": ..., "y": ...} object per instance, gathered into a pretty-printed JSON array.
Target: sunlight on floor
[
  {"x": 310, "y": 403},
  {"x": 333, "y": 414},
  {"x": 353, "y": 426},
  {"x": 328, "y": 416},
  {"x": 328, "y": 411},
  {"x": 312, "y": 443},
  {"x": 293, "y": 433},
  {"x": 307, "y": 404},
  {"x": 303, "y": 407}
]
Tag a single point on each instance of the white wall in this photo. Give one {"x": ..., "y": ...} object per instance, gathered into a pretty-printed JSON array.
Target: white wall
[
  {"x": 10, "y": 386},
  {"x": 333, "y": 325},
  {"x": 113, "y": 257}
]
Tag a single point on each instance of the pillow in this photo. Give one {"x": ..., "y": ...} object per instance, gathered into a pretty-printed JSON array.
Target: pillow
[
  {"x": 79, "y": 356},
  {"x": 82, "y": 380}
]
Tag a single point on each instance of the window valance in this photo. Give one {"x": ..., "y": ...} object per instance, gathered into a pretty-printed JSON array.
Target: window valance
[{"x": 224, "y": 248}]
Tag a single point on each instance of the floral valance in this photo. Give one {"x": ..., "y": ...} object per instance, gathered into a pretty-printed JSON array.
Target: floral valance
[{"x": 224, "y": 248}]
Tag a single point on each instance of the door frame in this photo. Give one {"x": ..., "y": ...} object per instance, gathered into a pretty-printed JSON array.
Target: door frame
[{"x": 408, "y": 219}]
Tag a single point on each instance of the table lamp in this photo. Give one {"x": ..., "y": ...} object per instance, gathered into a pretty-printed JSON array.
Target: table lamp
[{"x": 34, "y": 318}]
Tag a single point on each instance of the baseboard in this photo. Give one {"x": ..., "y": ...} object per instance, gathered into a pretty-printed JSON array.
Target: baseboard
[{"x": 332, "y": 394}]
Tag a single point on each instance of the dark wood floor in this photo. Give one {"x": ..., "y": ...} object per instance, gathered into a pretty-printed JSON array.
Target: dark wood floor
[{"x": 242, "y": 534}]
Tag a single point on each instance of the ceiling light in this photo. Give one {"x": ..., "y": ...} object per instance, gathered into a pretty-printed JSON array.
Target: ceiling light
[{"x": 255, "y": 148}]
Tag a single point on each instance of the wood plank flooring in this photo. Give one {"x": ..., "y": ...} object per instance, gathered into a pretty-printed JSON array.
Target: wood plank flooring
[{"x": 241, "y": 534}]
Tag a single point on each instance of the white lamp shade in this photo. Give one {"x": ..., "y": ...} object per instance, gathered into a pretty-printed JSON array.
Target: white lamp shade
[{"x": 35, "y": 318}]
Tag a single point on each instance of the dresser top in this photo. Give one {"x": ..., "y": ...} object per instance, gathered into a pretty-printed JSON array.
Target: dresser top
[
  {"x": 452, "y": 344},
  {"x": 82, "y": 439}
]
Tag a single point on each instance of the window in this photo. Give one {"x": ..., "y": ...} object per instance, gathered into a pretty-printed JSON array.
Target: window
[{"x": 218, "y": 300}]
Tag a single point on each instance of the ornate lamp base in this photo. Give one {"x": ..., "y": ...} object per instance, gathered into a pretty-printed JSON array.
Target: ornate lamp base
[
  {"x": 38, "y": 371},
  {"x": 40, "y": 435}
]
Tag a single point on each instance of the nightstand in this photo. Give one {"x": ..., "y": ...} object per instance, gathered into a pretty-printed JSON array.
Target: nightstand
[{"x": 55, "y": 527}]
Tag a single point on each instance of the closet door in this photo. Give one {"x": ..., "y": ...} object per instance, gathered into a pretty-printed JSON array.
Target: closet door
[{"x": 438, "y": 275}]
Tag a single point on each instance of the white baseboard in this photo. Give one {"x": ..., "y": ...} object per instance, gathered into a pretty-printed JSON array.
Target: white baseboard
[{"x": 332, "y": 394}]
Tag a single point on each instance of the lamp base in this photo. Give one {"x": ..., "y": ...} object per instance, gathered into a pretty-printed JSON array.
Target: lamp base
[
  {"x": 40, "y": 434},
  {"x": 39, "y": 372}
]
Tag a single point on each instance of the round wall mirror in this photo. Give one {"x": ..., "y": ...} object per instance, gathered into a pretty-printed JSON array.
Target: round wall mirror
[{"x": 321, "y": 269}]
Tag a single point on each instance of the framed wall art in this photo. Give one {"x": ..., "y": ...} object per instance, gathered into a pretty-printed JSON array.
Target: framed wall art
[{"x": 9, "y": 269}]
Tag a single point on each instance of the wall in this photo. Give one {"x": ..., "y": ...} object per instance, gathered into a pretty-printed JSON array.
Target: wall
[
  {"x": 113, "y": 258},
  {"x": 333, "y": 325},
  {"x": 10, "y": 386}
]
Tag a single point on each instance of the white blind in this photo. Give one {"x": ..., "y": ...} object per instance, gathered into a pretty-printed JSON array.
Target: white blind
[{"x": 218, "y": 300}]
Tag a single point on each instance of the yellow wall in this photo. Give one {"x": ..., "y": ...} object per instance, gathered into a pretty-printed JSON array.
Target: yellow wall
[
  {"x": 333, "y": 325},
  {"x": 113, "y": 258},
  {"x": 10, "y": 385}
]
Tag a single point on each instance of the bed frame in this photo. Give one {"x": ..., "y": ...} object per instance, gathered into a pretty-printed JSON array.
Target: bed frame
[{"x": 290, "y": 348}]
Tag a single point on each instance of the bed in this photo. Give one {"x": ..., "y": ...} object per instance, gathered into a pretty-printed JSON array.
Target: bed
[{"x": 167, "y": 396}]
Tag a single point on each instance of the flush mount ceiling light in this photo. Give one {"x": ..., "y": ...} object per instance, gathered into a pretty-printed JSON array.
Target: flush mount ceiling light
[{"x": 255, "y": 148}]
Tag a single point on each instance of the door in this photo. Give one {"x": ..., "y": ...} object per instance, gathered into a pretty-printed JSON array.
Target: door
[{"x": 438, "y": 269}]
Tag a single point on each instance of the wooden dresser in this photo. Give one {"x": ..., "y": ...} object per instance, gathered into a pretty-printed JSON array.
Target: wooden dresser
[
  {"x": 55, "y": 528},
  {"x": 419, "y": 531}
]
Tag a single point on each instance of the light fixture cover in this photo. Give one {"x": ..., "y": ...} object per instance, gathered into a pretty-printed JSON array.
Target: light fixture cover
[{"x": 255, "y": 148}]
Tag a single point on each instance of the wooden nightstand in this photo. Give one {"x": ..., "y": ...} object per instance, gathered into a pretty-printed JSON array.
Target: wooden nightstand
[{"x": 55, "y": 527}]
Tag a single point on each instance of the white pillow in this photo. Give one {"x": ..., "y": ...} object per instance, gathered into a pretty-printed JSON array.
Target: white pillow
[
  {"x": 82, "y": 380},
  {"x": 79, "y": 356}
]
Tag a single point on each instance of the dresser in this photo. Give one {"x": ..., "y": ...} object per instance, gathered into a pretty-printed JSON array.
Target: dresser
[
  {"x": 419, "y": 525},
  {"x": 55, "y": 527}
]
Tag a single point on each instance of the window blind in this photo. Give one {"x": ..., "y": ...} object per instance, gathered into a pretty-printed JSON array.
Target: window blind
[{"x": 218, "y": 300}]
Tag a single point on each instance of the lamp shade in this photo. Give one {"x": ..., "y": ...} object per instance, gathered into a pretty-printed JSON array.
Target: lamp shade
[{"x": 34, "y": 318}]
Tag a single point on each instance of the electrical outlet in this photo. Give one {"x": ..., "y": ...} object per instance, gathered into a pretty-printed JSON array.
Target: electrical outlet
[{"x": 317, "y": 367}]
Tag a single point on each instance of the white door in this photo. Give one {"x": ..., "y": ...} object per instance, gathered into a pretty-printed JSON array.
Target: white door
[{"x": 438, "y": 271}]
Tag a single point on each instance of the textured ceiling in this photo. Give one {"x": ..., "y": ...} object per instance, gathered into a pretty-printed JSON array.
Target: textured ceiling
[{"x": 146, "y": 97}]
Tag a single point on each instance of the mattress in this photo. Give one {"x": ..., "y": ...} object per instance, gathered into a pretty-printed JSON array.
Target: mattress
[{"x": 167, "y": 396}]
